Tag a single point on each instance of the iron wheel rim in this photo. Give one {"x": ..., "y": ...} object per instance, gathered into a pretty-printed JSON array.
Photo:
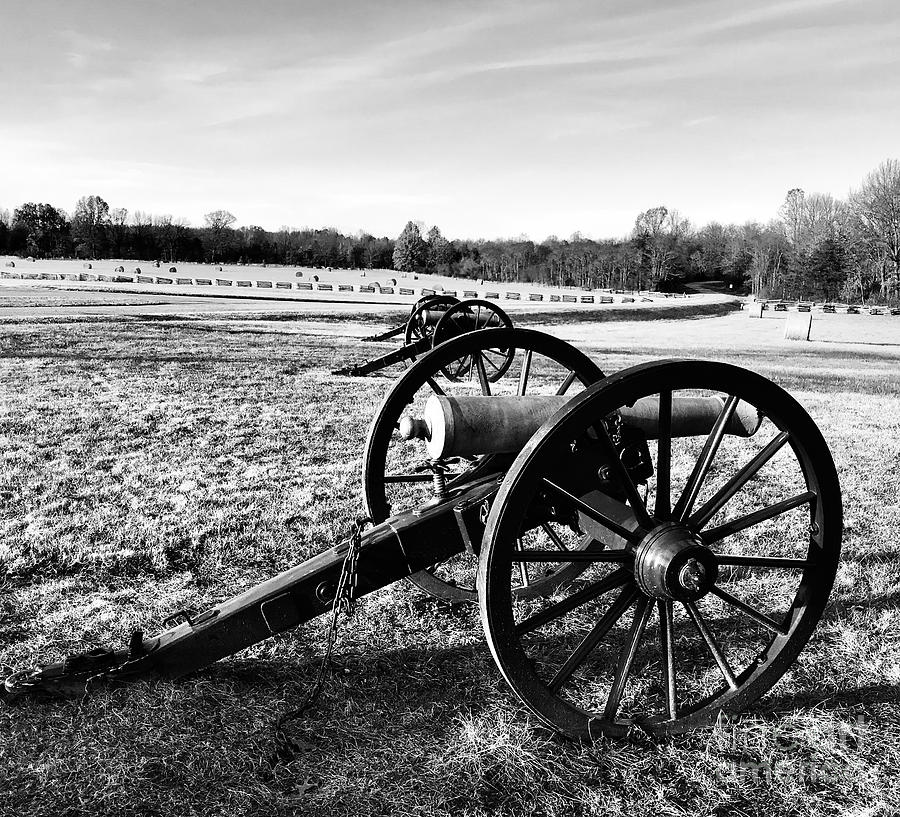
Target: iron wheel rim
[{"x": 521, "y": 485}]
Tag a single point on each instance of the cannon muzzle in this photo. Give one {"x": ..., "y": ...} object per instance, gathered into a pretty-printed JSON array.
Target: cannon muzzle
[{"x": 464, "y": 426}]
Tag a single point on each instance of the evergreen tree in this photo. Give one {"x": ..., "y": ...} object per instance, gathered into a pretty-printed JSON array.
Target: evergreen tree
[
  {"x": 439, "y": 249},
  {"x": 409, "y": 249}
]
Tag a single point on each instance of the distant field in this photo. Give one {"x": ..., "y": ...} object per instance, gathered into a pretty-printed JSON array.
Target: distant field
[
  {"x": 155, "y": 463},
  {"x": 283, "y": 285}
]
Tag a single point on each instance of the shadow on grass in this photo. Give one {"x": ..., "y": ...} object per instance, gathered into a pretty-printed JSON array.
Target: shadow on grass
[
  {"x": 855, "y": 342},
  {"x": 778, "y": 705},
  {"x": 882, "y": 601},
  {"x": 665, "y": 313},
  {"x": 196, "y": 358}
]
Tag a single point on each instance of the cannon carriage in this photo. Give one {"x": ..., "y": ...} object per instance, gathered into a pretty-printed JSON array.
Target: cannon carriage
[
  {"x": 433, "y": 320},
  {"x": 647, "y": 549}
]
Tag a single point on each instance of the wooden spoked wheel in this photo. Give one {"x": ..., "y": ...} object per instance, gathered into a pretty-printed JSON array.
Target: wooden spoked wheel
[
  {"x": 424, "y": 317},
  {"x": 715, "y": 573},
  {"x": 424, "y": 300},
  {"x": 397, "y": 475},
  {"x": 472, "y": 316}
]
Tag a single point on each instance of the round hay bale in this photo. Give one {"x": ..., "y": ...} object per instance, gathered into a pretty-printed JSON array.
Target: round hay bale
[
  {"x": 797, "y": 326},
  {"x": 315, "y": 278},
  {"x": 137, "y": 270},
  {"x": 87, "y": 266},
  {"x": 218, "y": 269},
  {"x": 393, "y": 282},
  {"x": 10, "y": 263},
  {"x": 298, "y": 274},
  {"x": 172, "y": 269},
  {"x": 120, "y": 268}
]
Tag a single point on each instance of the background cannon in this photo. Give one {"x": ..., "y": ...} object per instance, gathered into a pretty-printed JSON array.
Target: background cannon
[
  {"x": 433, "y": 320},
  {"x": 651, "y": 566},
  {"x": 439, "y": 304}
]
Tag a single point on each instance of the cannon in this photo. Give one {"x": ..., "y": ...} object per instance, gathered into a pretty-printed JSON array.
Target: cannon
[
  {"x": 433, "y": 303},
  {"x": 648, "y": 549},
  {"x": 432, "y": 320}
]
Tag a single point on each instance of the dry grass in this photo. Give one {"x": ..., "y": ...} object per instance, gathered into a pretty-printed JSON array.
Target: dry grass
[{"x": 153, "y": 465}]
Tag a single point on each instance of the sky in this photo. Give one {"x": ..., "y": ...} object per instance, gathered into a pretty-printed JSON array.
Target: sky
[{"x": 487, "y": 119}]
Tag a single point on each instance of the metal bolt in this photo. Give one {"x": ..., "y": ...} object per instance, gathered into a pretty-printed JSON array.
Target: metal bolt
[
  {"x": 692, "y": 575},
  {"x": 325, "y": 592}
]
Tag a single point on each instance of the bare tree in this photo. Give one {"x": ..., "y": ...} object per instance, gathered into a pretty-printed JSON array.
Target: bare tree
[
  {"x": 118, "y": 229},
  {"x": 652, "y": 232},
  {"x": 825, "y": 217},
  {"x": 793, "y": 217},
  {"x": 89, "y": 224},
  {"x": 219, "y": 223},
  {"x": 876, "y": 210}
]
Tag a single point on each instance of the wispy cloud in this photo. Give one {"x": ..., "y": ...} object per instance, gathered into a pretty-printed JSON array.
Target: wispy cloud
[{"x": 486, "y": 117}]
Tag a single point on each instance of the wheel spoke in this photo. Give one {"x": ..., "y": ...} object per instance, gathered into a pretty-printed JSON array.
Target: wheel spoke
[
  {"x": 486, "y": 359},
  {"x": 482, "y": 375},
  {"x": 619, "y": 473},
  {"x": 526, "y": 371},
  {"x": 664, "y": 458},
  {"x": 642, "y": 612},
  {"x": 461, "y": 367},
  {"x": 711, "y": 644},
  {"x": 701, "y": 468},
  {"x": 593, "y": 513},
  {"x": 667, "y": 648},
  {"x": 700, "y": 517},
  {"x": 434, "y": 386},
  {"x": 749, "y": 520},
  {"x": 750, "y": 611},
  {"x": 523, "y": 566},
  {"x": 554, "y": 537},
  {"x": 615, "y": 579},
  {"x": 606, "y": 622},
  {"x": 569, "y": 380}
]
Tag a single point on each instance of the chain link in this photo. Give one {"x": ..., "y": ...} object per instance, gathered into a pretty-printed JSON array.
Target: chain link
[{"x": 344, "y": 601}]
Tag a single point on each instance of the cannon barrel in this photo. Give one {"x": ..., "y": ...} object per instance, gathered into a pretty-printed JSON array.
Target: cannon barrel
[
  {"x": 430, "y": 317},
  {"x": 463, "y": 426}
]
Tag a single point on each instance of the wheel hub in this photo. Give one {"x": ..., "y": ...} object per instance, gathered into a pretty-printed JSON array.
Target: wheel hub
[{"x": 671, "y": 562}]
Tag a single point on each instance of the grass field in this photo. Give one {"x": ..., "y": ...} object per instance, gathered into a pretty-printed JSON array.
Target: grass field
[{"x": 151, "y": 465}]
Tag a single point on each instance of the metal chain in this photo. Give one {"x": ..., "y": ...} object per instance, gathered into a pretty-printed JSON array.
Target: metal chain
[{"x": 344, "y": 600}]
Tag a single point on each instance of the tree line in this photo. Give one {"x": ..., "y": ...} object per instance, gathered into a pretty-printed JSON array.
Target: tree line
[{"x": 815, "y": 247}]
